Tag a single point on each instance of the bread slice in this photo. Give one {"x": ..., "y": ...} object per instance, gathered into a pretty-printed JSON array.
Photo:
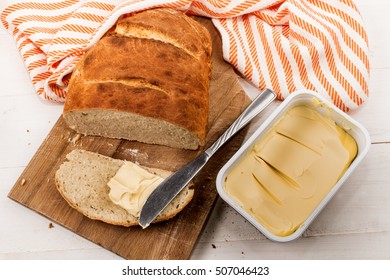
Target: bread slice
[
  {"x": 82, "y": 182},
  {"x": 147, "y": 80}
]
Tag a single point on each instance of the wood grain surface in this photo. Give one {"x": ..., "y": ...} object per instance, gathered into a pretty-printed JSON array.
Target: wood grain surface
[{"x": 173, "y": 239}]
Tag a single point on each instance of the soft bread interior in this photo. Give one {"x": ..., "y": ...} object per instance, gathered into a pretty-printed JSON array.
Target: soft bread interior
[{"x": 115, "y": 124}]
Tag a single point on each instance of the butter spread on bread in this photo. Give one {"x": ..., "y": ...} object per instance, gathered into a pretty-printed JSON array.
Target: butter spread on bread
[
  {"x": 146, "y": 80},
  {"x": 131, "y": 186},
  {"x": 82, "y": 181}
]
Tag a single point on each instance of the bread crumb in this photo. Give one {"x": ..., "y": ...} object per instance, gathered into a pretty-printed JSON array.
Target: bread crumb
[
  {"x": 136, "y": 154},
  {"x": 48, "y": 180},
  {"x": 65, "y": 135},
  {"x": 23, "y": 182},
  {"x": 76, "y": 138},
  {"x": 133, "y": 152},
  {"x": 50, "y": 225}
]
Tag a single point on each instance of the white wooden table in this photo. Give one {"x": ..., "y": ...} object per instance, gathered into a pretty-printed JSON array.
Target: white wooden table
[{"x": 354, "y": 225}]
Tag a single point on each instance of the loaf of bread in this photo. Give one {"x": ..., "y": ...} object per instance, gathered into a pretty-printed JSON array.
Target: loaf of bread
[
  {"x": 145, "y": 80},
  {"x": 82, "y": 182}
]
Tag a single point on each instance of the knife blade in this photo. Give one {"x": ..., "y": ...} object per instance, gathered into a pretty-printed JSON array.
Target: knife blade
[{"x": 171, "y": 186}]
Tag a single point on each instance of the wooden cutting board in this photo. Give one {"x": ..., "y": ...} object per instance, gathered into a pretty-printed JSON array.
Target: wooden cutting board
[{"x": 173, "y": 239}]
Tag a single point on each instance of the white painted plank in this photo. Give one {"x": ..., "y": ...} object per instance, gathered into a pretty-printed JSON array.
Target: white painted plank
[
  {"x": 26, "y": 121},
  {"x": 14, "y": 78},
  {"x": 362, "y": 246},
  {"x": 23, "y": 230}
]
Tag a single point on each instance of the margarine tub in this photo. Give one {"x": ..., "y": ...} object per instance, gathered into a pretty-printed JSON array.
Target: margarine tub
[{"x": 292, "y": 165}]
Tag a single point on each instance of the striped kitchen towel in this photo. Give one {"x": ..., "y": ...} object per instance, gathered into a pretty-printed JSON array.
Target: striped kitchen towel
[{"x": 283, "y": 45}]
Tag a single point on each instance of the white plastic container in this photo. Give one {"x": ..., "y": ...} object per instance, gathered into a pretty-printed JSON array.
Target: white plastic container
[{"x": 356, "y": 130}]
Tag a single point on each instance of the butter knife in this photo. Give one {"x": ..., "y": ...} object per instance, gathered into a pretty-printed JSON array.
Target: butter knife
[{"x": 172, "y": 185}]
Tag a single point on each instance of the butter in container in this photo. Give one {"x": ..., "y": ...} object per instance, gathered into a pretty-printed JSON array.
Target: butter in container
[{"x": 292, "y": 165}]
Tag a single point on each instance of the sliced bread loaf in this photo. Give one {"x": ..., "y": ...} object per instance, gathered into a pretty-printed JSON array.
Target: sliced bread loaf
[
  {"x": 146, "y": 80},
  {"x": 82, "y": 181}
]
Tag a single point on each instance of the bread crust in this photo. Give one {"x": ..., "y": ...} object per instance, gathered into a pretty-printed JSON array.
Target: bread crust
[
  {"x": 163, "y": 73},
  {"x": 188, "y": 33}
]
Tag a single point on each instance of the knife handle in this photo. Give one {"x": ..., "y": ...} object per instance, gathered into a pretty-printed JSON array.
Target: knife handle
[{"x": 257, "y": 105}]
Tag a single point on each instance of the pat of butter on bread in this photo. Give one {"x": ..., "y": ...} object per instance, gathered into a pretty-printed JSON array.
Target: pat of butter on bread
[{"x": 131, "y": 186}]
